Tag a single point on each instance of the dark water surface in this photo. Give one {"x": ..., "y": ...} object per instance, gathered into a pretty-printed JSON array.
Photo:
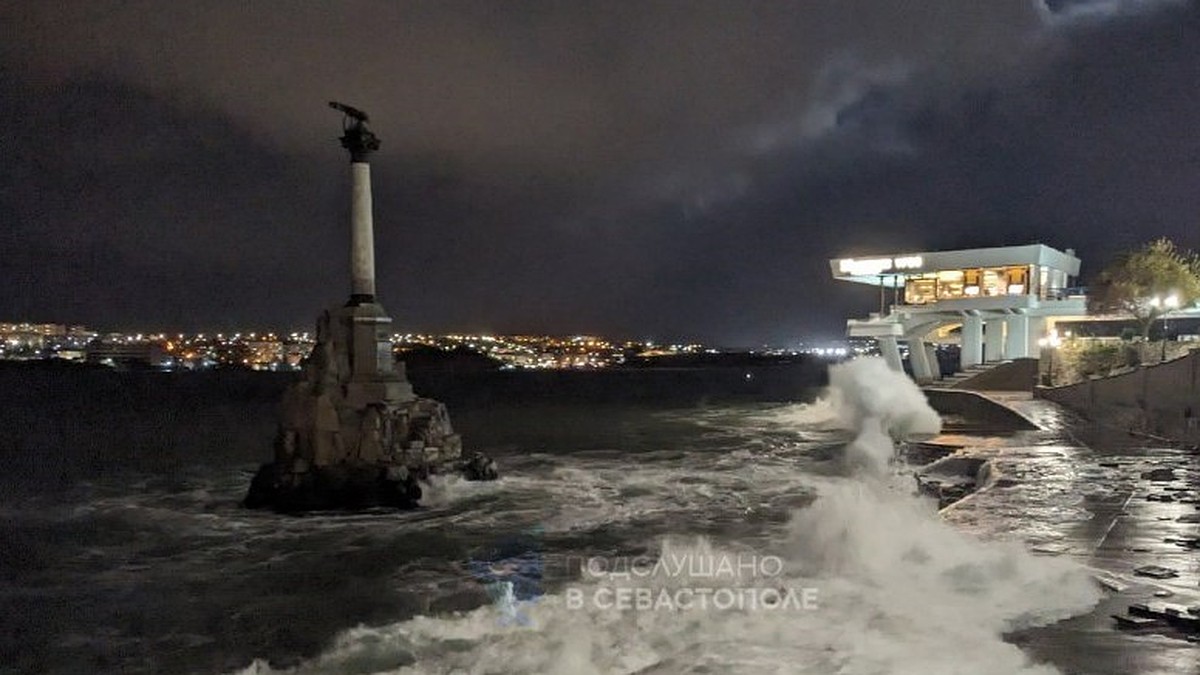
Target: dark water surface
[{"x": 125, "y": 550}]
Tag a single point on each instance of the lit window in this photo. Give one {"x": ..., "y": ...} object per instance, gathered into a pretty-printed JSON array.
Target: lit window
[
  {"x": 1016, "y": 277},
  {"x": 920, "y": 291},
  {"x": 950, "y": 284}
]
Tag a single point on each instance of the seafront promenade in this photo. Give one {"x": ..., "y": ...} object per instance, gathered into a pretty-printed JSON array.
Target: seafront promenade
[{"x": 1115, "y": 503}]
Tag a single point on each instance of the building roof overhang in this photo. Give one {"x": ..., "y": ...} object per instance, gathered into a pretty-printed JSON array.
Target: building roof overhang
[{"x": 891, "y": 270}]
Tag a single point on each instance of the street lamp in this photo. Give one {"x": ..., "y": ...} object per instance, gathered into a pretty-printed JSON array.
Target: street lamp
[
  {"x": 1050, "y": 341},
  {"x": 1168, "y": 304}
]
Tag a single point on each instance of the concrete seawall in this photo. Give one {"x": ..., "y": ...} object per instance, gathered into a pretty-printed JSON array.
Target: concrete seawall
[
  {"x": 1016, "y": 375},
  {"x": 955, "y": 472},
  {"x": 965, "y": 409},
  {"x": 1162, "y": 399}
]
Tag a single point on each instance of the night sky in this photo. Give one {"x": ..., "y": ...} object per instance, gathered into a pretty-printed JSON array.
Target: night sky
[{"x": 635, "y": 169}]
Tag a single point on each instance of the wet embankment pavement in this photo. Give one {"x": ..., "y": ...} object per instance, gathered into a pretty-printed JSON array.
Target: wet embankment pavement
[{"x": 1115, "y": 503}]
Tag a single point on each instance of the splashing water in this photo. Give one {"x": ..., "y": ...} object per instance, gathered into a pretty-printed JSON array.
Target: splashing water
[
  {"x": 878, "y": 404},
  {"x": 888, "y": 587}
]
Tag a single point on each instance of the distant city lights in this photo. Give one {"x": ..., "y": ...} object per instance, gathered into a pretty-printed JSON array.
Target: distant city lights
[{"x": 259, "y": 350}]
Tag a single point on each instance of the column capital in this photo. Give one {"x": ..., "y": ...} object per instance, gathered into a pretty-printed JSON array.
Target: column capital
[
  {"x": 356, "y": 137},
  {"x": 360, "y": 141}
]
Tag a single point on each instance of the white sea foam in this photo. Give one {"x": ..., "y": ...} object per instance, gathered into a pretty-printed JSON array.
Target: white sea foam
[
  {"x": 879, "y": 404},
  {"x": 443, "y": 491},
  {"x": 893, "y": 608},
  {"x": 897, "y": 591}
]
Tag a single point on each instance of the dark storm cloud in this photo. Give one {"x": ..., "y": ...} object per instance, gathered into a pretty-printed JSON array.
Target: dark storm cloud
[
  {"x": 514, "y": 85},
  {"x": 636, "y": 168}
]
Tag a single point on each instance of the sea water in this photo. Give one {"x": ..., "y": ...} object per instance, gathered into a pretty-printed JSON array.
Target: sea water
[
  {"x": 768, "y": 537},
  {"x": 864, "y": 579}
]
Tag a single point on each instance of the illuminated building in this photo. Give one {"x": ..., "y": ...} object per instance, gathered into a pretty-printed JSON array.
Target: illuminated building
[
  {"x": 30, "y": 336},
  {"x": 263, "y": 354},
  {"x": 128, "y": 354},
  {"x": 1002, "y": 299}
]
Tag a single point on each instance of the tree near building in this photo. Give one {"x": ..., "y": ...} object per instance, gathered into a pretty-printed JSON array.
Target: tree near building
[{"x": 1139, "y": 283}]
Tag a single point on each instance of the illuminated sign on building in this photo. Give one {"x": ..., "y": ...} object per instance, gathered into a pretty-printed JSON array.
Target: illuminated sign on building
[{"x": 870, "y": 266}]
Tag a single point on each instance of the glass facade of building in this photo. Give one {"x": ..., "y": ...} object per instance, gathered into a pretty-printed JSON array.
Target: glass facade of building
[{"x": 930, "y": 287}]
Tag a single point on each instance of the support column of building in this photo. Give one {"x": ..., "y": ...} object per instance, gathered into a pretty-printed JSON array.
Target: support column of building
[
  {"x": 993, "y": 340},
  {"x": 891, "y": 353},
  {"x": 918, "y": 357},
  {"x": 931, "y": 352},
  {"x": 1036, "y": 331},
  {"x": 972, "y": 341},
  {"x": 1016, "y": 339}
]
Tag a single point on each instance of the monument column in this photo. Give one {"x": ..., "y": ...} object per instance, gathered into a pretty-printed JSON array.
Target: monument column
[
  {"x": 371, "y": 374},
  {"x": 359, "y": 140},
  {"x": 362, "y": 237}
]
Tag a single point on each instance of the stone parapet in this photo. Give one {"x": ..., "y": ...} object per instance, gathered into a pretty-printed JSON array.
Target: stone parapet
[{"x": 1161, "y": 399}]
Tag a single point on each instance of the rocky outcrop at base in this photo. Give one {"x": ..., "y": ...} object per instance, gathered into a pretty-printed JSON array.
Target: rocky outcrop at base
[{"x": 351, "y": 486}]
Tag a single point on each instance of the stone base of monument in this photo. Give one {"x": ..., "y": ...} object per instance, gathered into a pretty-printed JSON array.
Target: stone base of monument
[{"x": 352, "y": 434}]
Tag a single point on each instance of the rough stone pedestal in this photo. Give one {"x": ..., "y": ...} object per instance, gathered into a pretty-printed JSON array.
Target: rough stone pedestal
[{"x": 353, "y": 434}]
